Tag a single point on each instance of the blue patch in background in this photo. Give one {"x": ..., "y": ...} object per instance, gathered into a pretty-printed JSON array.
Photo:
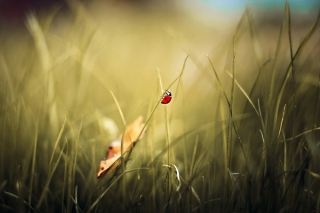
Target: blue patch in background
[{"x": 241, "y": 4}]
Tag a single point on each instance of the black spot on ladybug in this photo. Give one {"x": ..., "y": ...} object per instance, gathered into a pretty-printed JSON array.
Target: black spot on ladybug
[{"x": 167, "y": 97}]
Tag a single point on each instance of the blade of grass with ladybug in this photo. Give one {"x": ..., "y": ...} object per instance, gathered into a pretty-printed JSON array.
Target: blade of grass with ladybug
[{"x": 119, "y": 150}]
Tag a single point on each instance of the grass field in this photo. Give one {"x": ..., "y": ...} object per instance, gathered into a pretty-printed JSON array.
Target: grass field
[{"x": 240, "y": 135}]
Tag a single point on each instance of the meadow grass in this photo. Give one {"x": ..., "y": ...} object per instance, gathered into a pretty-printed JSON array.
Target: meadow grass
[{"x": 247, "y": 140}]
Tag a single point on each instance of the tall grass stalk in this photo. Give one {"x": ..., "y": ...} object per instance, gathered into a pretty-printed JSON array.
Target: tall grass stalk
[
  {"x": 65, "y": 173},
  {"x": 49, "y": 178},
  {"x": 108, "y": 188},
  {"x": 58, "y": 140},
  {"x": 122, "y": 138},
  {"x": 168, "y": 142},
  {"x": 273, "y": 75},
  {"x": 293, "y": 80},
  {"x": 290, "y": 66},
  {"x": 33, "y": 164},
  {"x": 75, "y": 155},
  {"x": 230, "y": 130},
  {"x": 167, "y": 127},
  {"x": 46, "y": 63}
]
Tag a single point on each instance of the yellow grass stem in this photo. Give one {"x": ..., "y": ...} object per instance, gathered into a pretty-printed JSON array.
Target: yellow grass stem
[
  {"x": 58, "y": 139},
  {"x": 282, "y": 119},
  {"x": 64, "y": 176},
  {"x": 107, "y": 189},
  {"x": 123, "y": 120},
  {"x": 51, "y": 172},
  {"x": 301, "y": 134},
  {"x": 45, "y": 60},
  {"x": 244, "y": 93},
  {"x": 122, "y": 139},
  {"x": 193, "y": 159},
  {"x": 33, "y": 164},
  {"x": 290, "y": 66},
  {"x": 167, "y": 124}
]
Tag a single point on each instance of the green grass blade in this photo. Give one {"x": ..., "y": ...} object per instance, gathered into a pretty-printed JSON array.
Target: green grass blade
[
  {"x": 58, "y": 139},
  {"x": 289, "y": 69}
]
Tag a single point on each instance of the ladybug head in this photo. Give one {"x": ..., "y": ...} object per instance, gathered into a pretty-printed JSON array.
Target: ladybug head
[{"x": 168, "y": 93}]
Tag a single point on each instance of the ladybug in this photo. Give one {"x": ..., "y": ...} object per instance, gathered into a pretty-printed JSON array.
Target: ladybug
[{"x": 167, "y": 97}]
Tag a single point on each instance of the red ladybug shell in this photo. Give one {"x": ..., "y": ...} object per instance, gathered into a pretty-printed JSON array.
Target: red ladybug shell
[{"x": 166, "y": 98}]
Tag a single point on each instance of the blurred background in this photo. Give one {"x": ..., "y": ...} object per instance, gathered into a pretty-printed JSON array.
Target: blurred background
[
  {"x": 234, "y": 141},
  {"x": 118, "y": 45}
]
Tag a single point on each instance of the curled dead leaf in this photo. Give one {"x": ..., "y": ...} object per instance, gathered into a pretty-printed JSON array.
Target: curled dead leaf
[{"x": 113, "y": 158}]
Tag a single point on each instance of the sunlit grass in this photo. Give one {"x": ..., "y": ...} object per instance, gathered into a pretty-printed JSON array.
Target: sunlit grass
[{"x": 240, "y": 135}]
